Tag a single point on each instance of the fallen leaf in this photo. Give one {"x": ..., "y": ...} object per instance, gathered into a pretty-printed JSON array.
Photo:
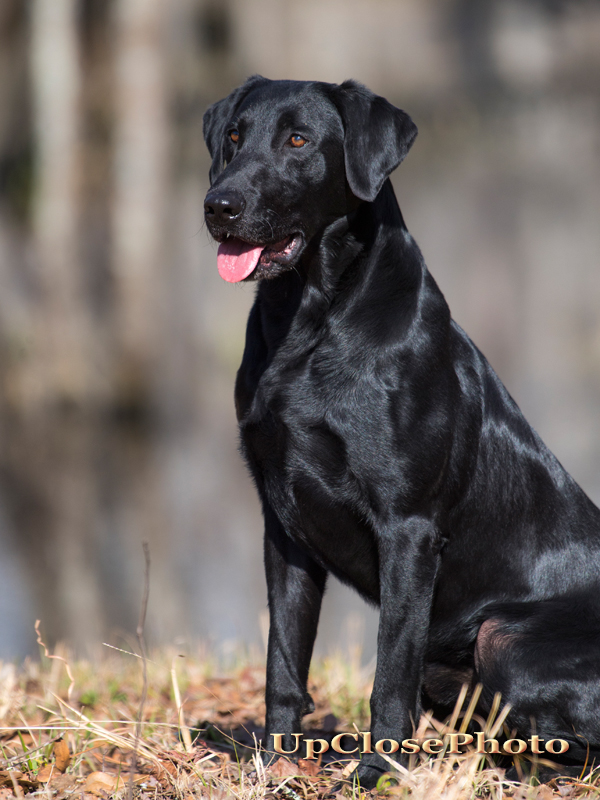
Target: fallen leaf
[
  {"x": 6, "y": 779},
  {"x": 544, "y": 793},
  {"x": 46, "y": 773},
  {"x": 101, "y": 783},
  {"x": 310, "y": 768},
  {"x": 168, "y": 766},
  {"x": 63, "y": 783},
  {"x": 61, "y": 755},
  {"x": 8, "y": 776},
  {"x": 283, "y": 768},
  {"x": 164, "y": 773},
  {"x": 567, "y": 789}
]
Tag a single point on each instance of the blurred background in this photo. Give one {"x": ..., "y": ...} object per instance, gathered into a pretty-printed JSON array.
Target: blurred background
[{"x": 119, "y": 342}]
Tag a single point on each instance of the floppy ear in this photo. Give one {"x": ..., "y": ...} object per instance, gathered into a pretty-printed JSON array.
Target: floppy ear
[
  {"x": 217, "y": 116},
  {"x": 377, "y": 137}
]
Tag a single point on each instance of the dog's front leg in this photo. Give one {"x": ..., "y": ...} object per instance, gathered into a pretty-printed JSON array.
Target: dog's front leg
[
  {"x": 408, "y": 563},
  {"x": 295, "y": 585}
]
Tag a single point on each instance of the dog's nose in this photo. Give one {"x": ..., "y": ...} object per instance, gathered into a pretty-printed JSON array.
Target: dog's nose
[{"x": 223, "y": 207}]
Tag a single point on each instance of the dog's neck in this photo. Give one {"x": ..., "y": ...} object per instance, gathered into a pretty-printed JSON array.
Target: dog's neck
[
  {"x": 364, "y": 260},
  {"x": 368, "y": 256}
]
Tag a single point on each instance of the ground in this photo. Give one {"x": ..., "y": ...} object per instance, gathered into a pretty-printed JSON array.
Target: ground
[{"x": 173, "y": 726}]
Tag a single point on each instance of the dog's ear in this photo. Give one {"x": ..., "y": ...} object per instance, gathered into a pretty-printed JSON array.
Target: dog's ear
[
  {"x": 217, "y": 116},
  {"x": 377, "y": 137}
]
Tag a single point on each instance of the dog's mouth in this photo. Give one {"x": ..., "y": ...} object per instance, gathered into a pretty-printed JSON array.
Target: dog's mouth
[{"x": 237, "y": 259}]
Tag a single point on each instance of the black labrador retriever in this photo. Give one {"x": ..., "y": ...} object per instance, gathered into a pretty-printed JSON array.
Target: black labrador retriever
[{"x": 384, "y": 447}]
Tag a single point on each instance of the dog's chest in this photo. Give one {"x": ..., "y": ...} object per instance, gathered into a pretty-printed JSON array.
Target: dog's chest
[
  {"x": 301, "y": 431},
  {"x": 313, "y": 423},
  {"x": 312, "y": 446}
]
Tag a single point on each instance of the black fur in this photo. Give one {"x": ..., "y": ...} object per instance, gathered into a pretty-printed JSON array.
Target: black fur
[{"x": 384, "y": 447}]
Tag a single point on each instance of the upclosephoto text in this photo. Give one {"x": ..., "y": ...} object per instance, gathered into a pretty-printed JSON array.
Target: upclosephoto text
[{"x": 451, "y": 743}]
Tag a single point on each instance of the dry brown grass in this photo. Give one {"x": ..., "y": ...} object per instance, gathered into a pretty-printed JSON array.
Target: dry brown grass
[{"x": 63, "y": 737}]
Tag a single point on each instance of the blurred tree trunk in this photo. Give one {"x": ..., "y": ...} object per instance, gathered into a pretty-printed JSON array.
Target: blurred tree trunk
[
  {"x": 47, "y": 461},
  {"x": 60, "y": 444},
  {"x": 62, "y": 371},
  {"x": 141, "y": 150}
]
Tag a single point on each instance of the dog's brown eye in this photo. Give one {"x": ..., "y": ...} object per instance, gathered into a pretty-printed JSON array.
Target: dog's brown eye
[
  {"x": 234, "y": 136},
  {"x": 297, "y": 140}
]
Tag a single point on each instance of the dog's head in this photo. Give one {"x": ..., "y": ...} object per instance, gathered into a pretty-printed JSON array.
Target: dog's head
[{"x": 288, "y": 158}]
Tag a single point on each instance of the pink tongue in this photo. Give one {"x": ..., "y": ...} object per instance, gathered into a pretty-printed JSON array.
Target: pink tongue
[{"x": 236, "y": 259}]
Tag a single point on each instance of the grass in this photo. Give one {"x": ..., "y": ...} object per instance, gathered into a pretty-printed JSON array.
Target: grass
[{"x": 96, "y": 729}]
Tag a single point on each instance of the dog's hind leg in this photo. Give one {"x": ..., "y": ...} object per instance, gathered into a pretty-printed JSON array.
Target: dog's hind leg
[{"x": 544, "y": 659}]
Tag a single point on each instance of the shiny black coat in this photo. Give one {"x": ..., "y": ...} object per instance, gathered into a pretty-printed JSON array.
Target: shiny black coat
[{"x": 384, "y": 447}]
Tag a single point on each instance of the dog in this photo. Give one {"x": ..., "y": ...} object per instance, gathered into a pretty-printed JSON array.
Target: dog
[{"x": 384, "y": 448}]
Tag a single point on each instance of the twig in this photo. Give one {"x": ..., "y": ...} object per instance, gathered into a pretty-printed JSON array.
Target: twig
[
  {"x": 120, "y": 650},
  {"x": 184, "y": 730},
  {"x": 142, "y": 644},
  {"x": 59, "y": 658}
]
